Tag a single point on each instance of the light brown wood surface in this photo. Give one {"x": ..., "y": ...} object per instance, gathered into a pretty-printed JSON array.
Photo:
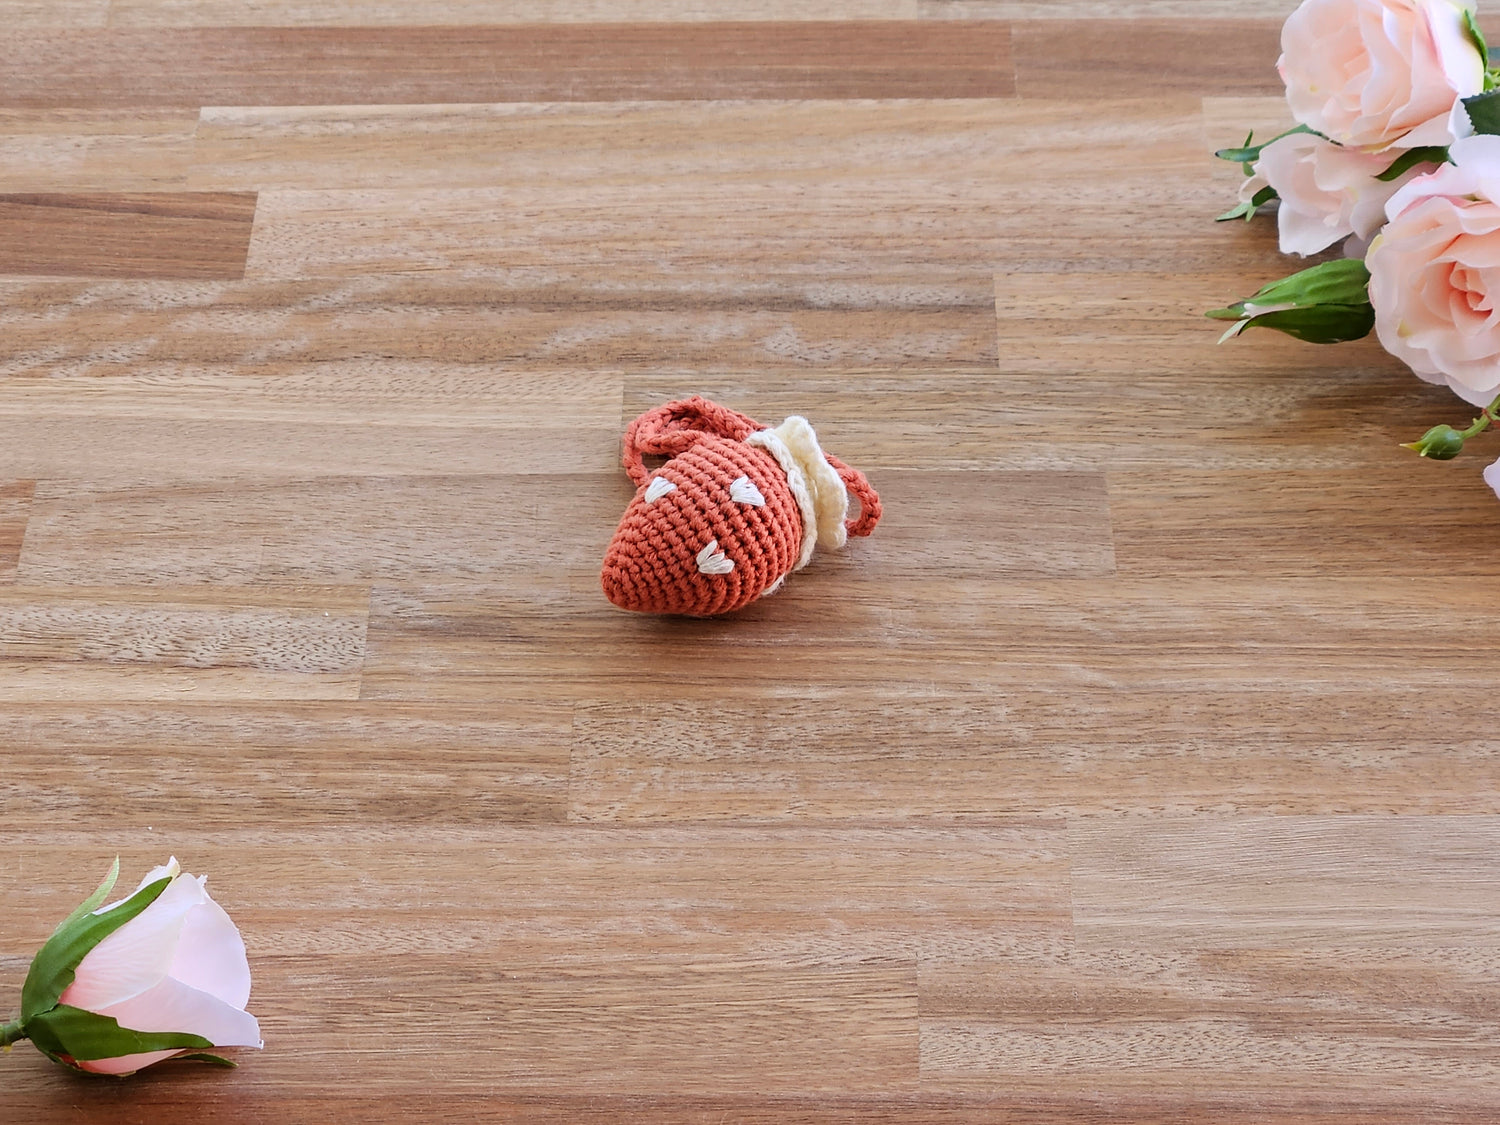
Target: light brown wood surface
[{"x": 1141, "y": 768}]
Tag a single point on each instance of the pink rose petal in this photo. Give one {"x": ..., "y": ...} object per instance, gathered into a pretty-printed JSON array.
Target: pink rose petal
[{"x": 138, "y": 954}]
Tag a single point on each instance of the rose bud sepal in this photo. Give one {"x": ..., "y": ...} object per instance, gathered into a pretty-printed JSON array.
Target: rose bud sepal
[
  {"x": 1325, "y": 304},
  {"x": 1441, "y": 443}
]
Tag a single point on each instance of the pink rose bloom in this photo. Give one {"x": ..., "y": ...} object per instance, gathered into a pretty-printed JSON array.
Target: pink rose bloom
[
  {"x": 177, "y": 966},
  {"x": 1327, "y": 191},
  {"x": 1492, "y": 477},
  {"x": 1435, "y": 273},
  {"x": 1378, "y": 73}
]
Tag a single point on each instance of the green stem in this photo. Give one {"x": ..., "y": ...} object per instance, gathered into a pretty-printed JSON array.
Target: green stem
[
  {"x": 1483, "y": 422},
  {"x": 12, "y": 1033}
]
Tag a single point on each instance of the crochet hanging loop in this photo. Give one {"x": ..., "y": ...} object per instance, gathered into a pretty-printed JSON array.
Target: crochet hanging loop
[
  {"x": 677, "y": 426},
  {"x": 736, "y": 508},
  {"x": 669, "y": 430}
]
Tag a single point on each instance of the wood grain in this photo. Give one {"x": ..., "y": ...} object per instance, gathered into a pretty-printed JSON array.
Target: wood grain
[
  {"x": 1137, "y": 770},
  {"x": 54, "y": 13},
  {"x": 1194, "y": 11},
  {"x": 1142, "y": 57},
  {"x": 293, "y": 763},
  {"x": 181, "y": 644},
  {"x": 1159, "y": 391},
  {"x": 436, "y": 13},
  {"x": 1299, "y": 882},
  {"x": 79, "y": 410},
  {"x": 99, "y": 150},
  {"x": 960, "y": 754},
  {"x": 1282, "y": 523},
  {"x": 518, "y": 529},
  {"x": 15, "y": 509},
  {"x": 150, "y": 235},
  {"x": 563, "y": 62},
  {"x": 1415, "y": 1028},
  {"x": 961, "y": 148}
]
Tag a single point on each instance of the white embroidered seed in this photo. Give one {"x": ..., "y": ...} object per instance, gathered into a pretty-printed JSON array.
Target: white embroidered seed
[
  {"x": 659, "y": 488},
  {"x": 743, "y": 491},
  {"x": 711, "y": 560}
]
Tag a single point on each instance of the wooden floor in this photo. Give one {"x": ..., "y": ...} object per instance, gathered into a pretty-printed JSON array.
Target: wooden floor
[{"x": 1142, "y": 768}]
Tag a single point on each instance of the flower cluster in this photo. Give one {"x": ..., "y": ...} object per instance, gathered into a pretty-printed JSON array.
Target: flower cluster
[
  {"x": 1396, "y": 156},
  {"x": 160, "y": 974}
]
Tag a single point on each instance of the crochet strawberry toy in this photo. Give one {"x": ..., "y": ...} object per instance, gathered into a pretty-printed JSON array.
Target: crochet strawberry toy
[{"x": 736, "y": 508}]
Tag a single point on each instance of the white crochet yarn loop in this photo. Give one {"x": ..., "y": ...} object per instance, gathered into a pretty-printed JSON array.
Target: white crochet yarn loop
[{"x": 819, "y": 490}]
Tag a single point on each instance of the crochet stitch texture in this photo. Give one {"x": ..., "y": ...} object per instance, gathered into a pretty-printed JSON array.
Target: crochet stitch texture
[{"x": 735, "y": 509}]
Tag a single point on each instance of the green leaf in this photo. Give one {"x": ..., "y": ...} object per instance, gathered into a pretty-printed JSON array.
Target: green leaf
[
  {"x": 1325, "y": 304},
  {"x": 1247, "y": 209},
  {"x": 1484, "y": 112},
  {"x": 1248, "y": 154},
  {"x": 90, "y": 904},
  {"x": 82, "y": 1035},
  {"x": 205, "y": 1057},
  {"x": 1325, "y": 324},
  {"x": 1471, "y": 28},
  {"x": 1430, "y": 154},
  {"x": 52, "y": 968}
]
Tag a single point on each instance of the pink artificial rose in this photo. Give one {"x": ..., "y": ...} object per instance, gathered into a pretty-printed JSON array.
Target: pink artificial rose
[
  {"x": 1379, "y": 73},
  {"x": 178, "y": 966},
  {"x": 1492, "y": 477},
  {"x": 1327, "y": 191},
  {"x": 1435, "y": 273}
]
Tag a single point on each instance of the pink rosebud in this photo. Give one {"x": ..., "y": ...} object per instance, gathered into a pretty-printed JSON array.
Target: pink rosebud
[
  {"x": 1327, "y": 191},
  {"x": 178, "y": 966},
  {"x": 1379, "y": 73},
  {"x": 1435, "y": 273}
]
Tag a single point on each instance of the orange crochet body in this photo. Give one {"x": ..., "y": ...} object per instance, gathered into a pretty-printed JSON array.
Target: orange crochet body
[{"x": 726, "y": 519}]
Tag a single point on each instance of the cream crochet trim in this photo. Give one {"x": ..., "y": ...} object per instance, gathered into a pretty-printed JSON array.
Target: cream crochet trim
[{"x": 819, "y": 490}]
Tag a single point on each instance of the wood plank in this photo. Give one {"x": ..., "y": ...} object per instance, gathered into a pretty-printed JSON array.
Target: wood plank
[
  {"x": 1399, "y": 1033},
  {"x": 184, "y": 644},
  {"x": 134, "y": 235},
  {"x": 1276, "y": 635},
  {"x": 514, "y": 530},
  {"x": 1060, "y": 10},
  {"x": 137, "y": 765},
  {"x": 521, "y": 527},
  {"x": 513, "y": 326},
  {"x": 1287, "y": 883},
  {"x": 911, "y": 637},
  {"x": 1136, "y": 350},
  {"x": 102, "y": 150},
  {"x": 586, "y": 898},
  {"x": 438, "y": 13},
  {"x": 1048, "y": 412},
  {"x": 54, "y": 13},
  {"x": 982, "y": 525},
  {"x": 15, "y": 510},
  {"x": 755, "y": 944},
  {"x": 834, "y": 225},
  {"x": 127, "y": 413},
  {"x": 1147, "y": 57},
  {"x": 1226, "y": 121},
  {"x": 667, "y": 1029},
  {"x": 650, "y": 751},
  {"x": 561, "y": 62},
  {"x": 1375, "y": 521},
  {"x": 829, "y": 246},
  {"x": 161, "y": 1102},
  {"x": 947, "y": 148}
]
